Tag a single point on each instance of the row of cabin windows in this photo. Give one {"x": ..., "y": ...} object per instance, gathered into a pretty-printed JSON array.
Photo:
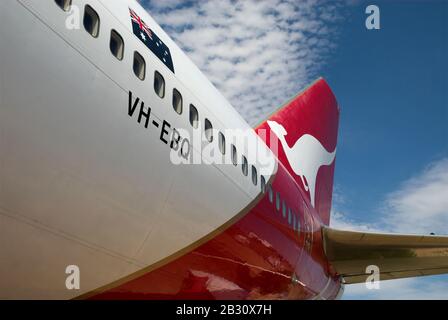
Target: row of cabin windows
[
  {"x": 281, "y": 205},
  {"x": 91, "y": 22}
]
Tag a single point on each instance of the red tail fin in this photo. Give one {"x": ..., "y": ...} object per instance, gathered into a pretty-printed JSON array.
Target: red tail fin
[{"x": 305, "y": 130}]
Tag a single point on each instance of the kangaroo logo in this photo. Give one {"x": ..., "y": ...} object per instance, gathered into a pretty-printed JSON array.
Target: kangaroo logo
[{"x": 305, "y": 157}]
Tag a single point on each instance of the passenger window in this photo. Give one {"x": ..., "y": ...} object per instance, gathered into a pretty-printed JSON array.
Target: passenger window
[
  {"x": 64, "y": 4},
  {"x": 116, "y": 45},
  {"x": 277, "y": 201},
  {"x": 245, "y": 166},
  {"x": 263, "y": 184},
  {"x": 294, "y": 221},
  {"x": 139, "y": 66},
  {"x": 254, "y": 176},
  {"x": 159, "y": 84},
  {"x": 270, "y": 194},
  {"x": 194, "y": 117},
  {"x": 91, "y": 21},
  {"x": 177, "y": 101},
  {"x": 208, "y": 130},
  {"x": 234, "y": 156},
  {"x": 222, "y": 143},
  {"x": 284, "y": 208}
]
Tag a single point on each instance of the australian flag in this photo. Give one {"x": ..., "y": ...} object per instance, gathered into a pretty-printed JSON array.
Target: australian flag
[{"x": 151, "y": 40}]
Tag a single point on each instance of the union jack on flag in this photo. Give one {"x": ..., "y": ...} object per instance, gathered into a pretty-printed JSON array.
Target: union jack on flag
[{"x": 141, "y": 24}]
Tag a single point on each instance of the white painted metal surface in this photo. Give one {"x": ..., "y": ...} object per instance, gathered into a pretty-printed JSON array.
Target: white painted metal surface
[{"x": 83, "y": 183}]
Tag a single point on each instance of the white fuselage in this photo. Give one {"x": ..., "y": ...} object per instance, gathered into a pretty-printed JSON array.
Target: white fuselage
[{"x": 83, "y": 183}]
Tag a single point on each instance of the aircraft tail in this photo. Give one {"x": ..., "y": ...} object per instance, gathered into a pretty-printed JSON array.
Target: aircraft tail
[{"x": 304, "y": 137}]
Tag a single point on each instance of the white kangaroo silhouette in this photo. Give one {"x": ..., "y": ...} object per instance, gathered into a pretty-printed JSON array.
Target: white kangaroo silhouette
[{"x": 305, "y": 157}]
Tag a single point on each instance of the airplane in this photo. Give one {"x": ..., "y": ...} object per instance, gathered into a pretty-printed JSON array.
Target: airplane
[{"x": 125, "y": 174}]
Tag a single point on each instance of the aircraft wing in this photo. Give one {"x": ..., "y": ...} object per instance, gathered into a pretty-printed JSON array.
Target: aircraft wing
[{"x": 396, "y": 255}]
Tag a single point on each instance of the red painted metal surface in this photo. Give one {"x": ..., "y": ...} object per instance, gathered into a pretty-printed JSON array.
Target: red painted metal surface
[{"x": 261, "y": 256}]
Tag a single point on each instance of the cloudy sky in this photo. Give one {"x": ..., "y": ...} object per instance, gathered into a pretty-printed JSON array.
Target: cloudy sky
[
  {"x": 391, "y": 84},
  {"x": 257, "y": 53}
]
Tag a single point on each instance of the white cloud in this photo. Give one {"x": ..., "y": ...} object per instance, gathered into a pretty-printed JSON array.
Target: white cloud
[
  {"x": 420, "y": 205},
  {"x": 402, "y": 289},
  {"x": 340, "y": 221},
  {"x": 257, "y": 53}
]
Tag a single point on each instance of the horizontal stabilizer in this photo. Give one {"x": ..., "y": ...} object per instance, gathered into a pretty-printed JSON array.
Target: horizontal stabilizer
[{"x": 397, "y": 256}]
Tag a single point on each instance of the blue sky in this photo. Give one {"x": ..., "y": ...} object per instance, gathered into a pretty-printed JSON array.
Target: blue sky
[{"x": 391, "y": 84}]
